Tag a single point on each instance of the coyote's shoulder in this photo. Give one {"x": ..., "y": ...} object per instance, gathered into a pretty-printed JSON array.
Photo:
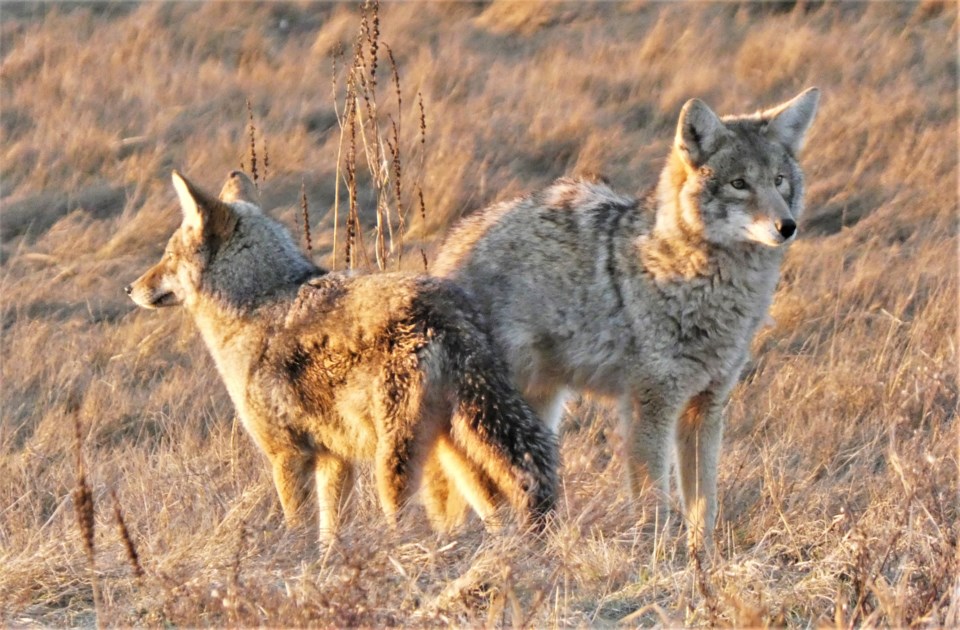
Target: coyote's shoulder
[{"x": 653, "y": 301}]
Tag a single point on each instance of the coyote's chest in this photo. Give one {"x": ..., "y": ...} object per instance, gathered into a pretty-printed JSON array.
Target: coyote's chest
[{"x": 706, "y": 323}]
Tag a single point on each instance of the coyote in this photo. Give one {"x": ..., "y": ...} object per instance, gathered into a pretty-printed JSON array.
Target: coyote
[
  {"x": 327, "y": 370},
  {"x": 653, "y": 302}
]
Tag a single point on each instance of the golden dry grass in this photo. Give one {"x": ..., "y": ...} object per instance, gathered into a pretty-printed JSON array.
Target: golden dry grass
[{"x": 839, "y": 482}]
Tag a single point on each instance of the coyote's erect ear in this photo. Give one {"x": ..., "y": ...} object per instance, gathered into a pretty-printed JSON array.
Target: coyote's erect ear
[
  {"x": 698, "y": 132},
  {"x": 238, "y": 187},
  {"x": 204, "y": 217},
  {"x": 788, "y": 123}
]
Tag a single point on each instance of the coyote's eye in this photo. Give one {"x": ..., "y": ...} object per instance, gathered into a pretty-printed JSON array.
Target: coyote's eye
[
  {"x": 739, "y": 183},
  {"x": 778, "y": 180}
]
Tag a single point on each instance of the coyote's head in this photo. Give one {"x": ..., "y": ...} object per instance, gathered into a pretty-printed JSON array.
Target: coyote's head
[
  {"x": 225, "y": 249},
  {"x": 736, "y": 179}
]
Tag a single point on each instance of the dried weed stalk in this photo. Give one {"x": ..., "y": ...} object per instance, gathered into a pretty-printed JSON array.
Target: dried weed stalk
[
  {"x": 128, "y": 545},
  {"x": 252, "y": 150},
  {"x": 305, "y": 209},
  {"x": 84, "y": 506},
  {"x": 252, "y": 129},
  {"x": 371, "y": 138}
]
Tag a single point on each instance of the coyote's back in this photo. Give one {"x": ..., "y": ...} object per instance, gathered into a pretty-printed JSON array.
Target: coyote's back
[
  {"x": 326, "y": 370},
  {"x": 652, "y": 301}
]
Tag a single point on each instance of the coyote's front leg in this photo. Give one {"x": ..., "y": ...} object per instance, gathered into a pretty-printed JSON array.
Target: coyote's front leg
[
  {"x": 699, "y": 435},
  {"x": 648, "y": 424}
]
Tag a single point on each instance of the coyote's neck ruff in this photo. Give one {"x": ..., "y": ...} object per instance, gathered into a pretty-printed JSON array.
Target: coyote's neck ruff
[{"x": 654, "y": 302}]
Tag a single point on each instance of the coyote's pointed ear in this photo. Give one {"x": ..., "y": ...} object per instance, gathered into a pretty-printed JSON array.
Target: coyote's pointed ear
[
  {"x": 238, "y": 187},
  {"x": 788, "y": 123},
  {"x": 698, "y": 132},
  {"x": 203, "y": 216}
]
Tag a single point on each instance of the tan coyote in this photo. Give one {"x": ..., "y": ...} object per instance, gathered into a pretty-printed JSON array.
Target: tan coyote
[{"x": 328, "y": 369}]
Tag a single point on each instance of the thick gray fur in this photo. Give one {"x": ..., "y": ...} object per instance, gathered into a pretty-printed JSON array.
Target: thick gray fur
[{"x": 652, "y": 302}]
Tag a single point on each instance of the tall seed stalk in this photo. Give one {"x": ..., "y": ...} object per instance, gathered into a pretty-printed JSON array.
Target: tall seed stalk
[
  {"x": 371, "y": 141},
  {"x": 83, "y": 505}
]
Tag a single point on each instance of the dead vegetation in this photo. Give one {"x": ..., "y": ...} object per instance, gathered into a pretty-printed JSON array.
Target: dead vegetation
[{"x": 839, "y": 483}]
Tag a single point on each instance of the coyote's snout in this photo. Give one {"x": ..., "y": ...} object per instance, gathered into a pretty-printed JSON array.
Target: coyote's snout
[
  {"x": 326, "y": 370},
  {"x": 653, "y": 302}
]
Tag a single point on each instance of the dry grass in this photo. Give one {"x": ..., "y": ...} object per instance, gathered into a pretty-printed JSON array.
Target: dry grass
[{"x": 839, "y": 482}]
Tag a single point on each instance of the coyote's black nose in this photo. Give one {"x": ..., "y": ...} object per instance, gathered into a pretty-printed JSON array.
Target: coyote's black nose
[
  {"x": 128, "y": 289},
  {"x": 786, "y": 228}
]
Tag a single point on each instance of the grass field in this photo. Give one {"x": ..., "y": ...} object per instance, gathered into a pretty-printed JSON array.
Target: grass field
[{"x": 839, "y": 475}]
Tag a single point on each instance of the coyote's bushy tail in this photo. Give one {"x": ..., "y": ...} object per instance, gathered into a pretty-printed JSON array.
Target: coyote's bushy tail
[
  {"x": 500, "y": 445},
  {"x": 501, "y": 434}
]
